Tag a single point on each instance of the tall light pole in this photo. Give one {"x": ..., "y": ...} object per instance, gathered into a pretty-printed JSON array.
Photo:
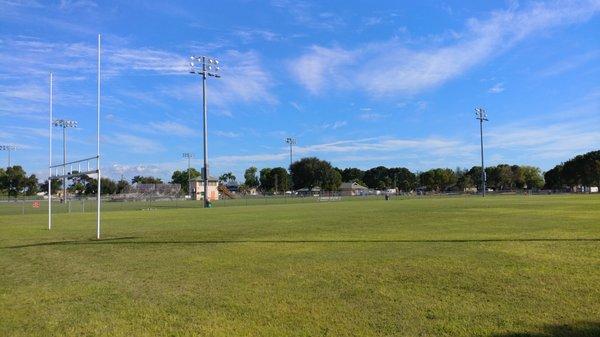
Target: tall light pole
[
  {"x": 206, "y": 67},
  {"x": 64, "y": 124},
  {"x": 481, "y": 115},
  {"x": 189, "y": 156},
  {"x": 292, "y": 142},
  {"x": 8, "y": 148}
]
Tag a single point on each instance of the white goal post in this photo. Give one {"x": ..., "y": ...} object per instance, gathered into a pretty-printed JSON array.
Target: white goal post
[{"x": 60, "y": 171}]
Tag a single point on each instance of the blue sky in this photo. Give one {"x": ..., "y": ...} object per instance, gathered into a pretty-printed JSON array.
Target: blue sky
[{"x": 360, "y": 84}]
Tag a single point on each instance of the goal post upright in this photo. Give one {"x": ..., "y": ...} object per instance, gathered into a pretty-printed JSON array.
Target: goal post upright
[
  {"x": 98, "y": 147},
  {"x": 50, "y": 163},
  {"x": 88, "y": 170}
]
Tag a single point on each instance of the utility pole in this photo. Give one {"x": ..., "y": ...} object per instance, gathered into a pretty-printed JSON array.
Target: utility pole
[
  {"x": 481, "y": 115},
  {"x": 210, "y": 67},
  {"x": 64, "y": 124},
  {"x": 189, "y": 156},
  {"x": 292, "y": 142}
]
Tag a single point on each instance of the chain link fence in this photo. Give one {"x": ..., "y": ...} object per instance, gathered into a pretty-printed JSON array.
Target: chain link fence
[{"x": 88, "y": 204}]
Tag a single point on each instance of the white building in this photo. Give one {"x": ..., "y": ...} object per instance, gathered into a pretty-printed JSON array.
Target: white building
[{"x": 197, "y": 188}]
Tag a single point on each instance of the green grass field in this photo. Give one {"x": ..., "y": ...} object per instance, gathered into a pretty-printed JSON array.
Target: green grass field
[{"x": 499, "y": 266}]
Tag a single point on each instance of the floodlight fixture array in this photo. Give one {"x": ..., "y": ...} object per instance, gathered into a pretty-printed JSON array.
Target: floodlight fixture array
[
  {"x": 8, "y": 148},
  {"x": 291, "y": 142}
]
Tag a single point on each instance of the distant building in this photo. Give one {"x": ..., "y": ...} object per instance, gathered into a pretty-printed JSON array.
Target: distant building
[
  {"x": 472, "y": 190},
  {"x": 352, "y": 189},
  {"x": 306, "y": 192},
  {"x": 197, "y": 188},
  {"x": 233, "y": 186}
]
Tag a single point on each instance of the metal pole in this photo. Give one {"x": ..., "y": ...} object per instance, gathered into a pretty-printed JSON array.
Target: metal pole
[
  {"x": 291, "y": 153},
  {"x": 188, "y": 186},
  {"x": 482, "y": 116},
  {"x": 50, "y": 163},
  {"x": 64, "y": 162},
  {"x": 482, "y": 165},
  {"x": 98, "y": 147},
  {"x": 8, "y": 156},
  {"x": 204, "y": 122}
]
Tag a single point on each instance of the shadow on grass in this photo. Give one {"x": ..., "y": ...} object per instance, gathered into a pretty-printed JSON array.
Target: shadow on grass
[
  {"x": 580, "y": 329},
  {"x": 116, "y": 241}
]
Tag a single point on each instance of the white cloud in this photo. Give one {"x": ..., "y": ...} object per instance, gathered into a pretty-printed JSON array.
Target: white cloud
[
  {"x": 226, "y": 134},
  {"x": 134, "y": 144},
  {"x": 171, "y": 128},
  {"x": 249, "y": 35},
  {"x": 321, "y": 66},
  {"x": 77, "y": 4},
  {"x": 391, "y": 68},
  {"x": 371, "y": 116},
  {"x": 307, "y": 16},
  {"x": 496, "y": 89},
  {"x": 574, "y": 62},
  {"x": 243, "y": 79}
]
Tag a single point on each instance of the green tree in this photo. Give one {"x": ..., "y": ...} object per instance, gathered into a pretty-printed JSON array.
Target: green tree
[
  {"x": 181, "y": 178},
  {"x": 582, "y": 170},
  {"x": 402, "y": 178},
  {"x": 2, "y": 179},
  {"x": 438, "y": 180},
  {"x": 122, "y": 186},
  {"x": 56, "y": 185},
  {"x": 227, "y": 177},
  {"x": 109, "y": 186},
  {"x": 463, "y": 179},
  {"x": 312, "y": 172},
  {"x": 250, "y": 178},
  {"x": 280, "y": 179},
  {"x": 532, "y": 177},
  {"x": 15, "y": 181},
  {"x": 378, "y": 177},
  {"x": 266, "y": 183},
  {"x": 146, "y": 180},
  {"x": 553, "y": 178}
]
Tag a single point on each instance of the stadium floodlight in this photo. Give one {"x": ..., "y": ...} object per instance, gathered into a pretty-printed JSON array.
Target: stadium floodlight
[
  {"x": 189, "y": 156},
  {"x": 206, "y": 67},
  {"x": 292, "y": 142},
  {"x": 8, "y": 148},
  {"x": 64, "y": 124},
  {"x": 481, "y": 115}
]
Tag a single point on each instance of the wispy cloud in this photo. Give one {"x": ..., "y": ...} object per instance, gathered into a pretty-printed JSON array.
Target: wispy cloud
[
  {"x": 134, "y": 144},
  {"x": 307, "y": 15},
  {"x": 371, "y": 116},
  {"x": 496, "y": 89},
  {"x": 171, "y": 128},
  {"x": 226, "y": 134},
  {"x": 251, "y": 34},
  {"x": 571, "y": 63},
  {"x": 392, "y": 68},
  {"x": 77, "y": 4},
  {"x": 243, "y": 80}
]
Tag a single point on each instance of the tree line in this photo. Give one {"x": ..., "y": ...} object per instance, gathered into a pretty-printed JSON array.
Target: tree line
[
  {"x": 312, "y": 172},
  {"x": 582, "y": 170}
]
